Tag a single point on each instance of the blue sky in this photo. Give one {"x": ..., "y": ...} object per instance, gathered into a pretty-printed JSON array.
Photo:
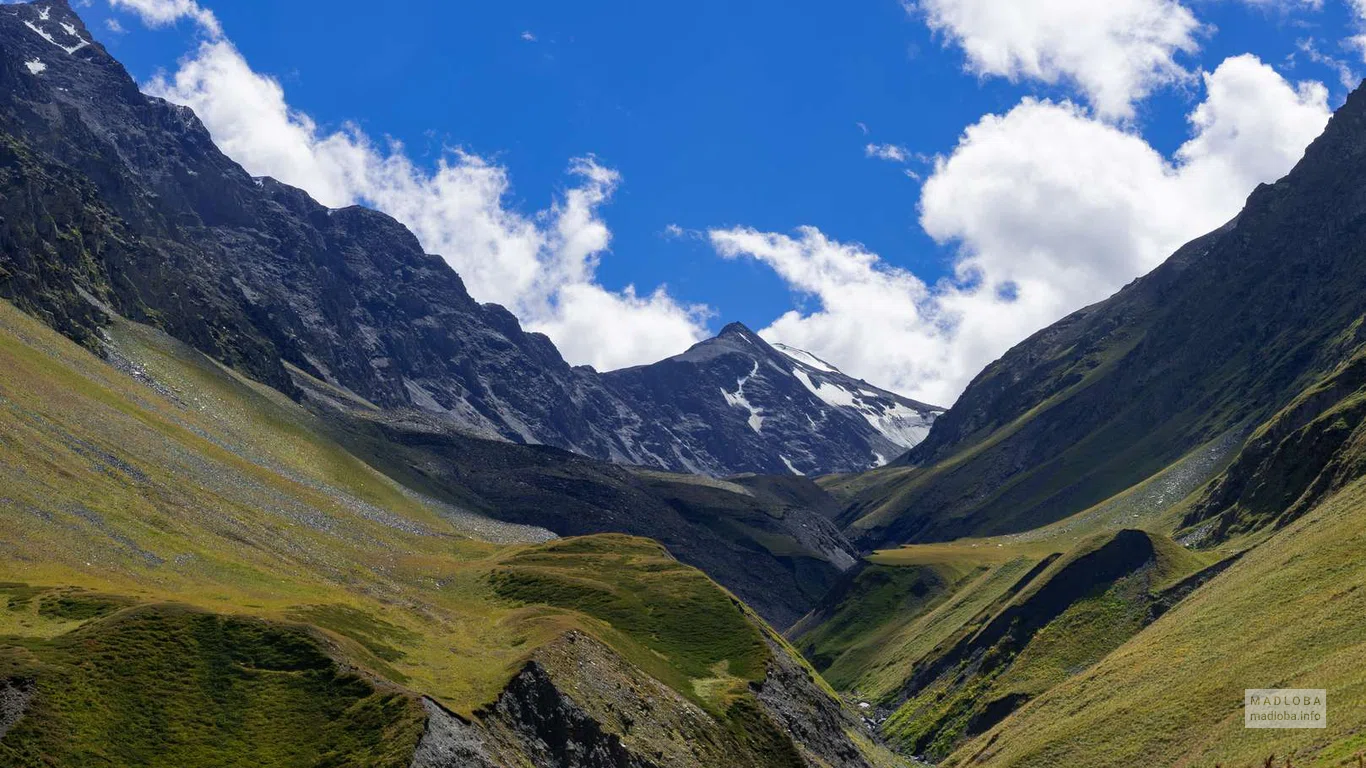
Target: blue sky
[{"x": 755, "y": 119}]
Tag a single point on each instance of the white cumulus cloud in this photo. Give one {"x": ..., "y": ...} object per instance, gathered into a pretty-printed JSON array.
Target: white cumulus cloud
[
  {"x": 1047, "y": 209},
  {"x": 1115, "y": 51},
  {"x": 541, "y": 266},
  {"x": 160, "y": 13}
]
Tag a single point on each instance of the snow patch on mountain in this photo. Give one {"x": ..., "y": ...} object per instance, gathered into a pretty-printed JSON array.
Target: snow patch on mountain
[
  {"x": 806, "y": 358},
  {"x": 832, "y": 394},
  {"x": 737, "y": 400},
  {"x": 48, "y": 36},
  {"x": 901, "y": 424},
  {"x": 898, "y": 422}
]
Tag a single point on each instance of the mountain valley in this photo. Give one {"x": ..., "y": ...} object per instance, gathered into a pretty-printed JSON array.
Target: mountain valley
[{"x": 275, "y": 490}]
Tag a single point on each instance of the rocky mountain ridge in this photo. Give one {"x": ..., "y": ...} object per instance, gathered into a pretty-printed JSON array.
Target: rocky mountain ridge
[
  {"x": 123, "y": 201},
  {"x": 736, "y": 399}
]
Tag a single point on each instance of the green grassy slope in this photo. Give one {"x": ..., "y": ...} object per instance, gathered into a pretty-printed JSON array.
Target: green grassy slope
[
  {"x": 1288, "y": 615},
  {"x": 1062, "y": 617},
  {"x": 944, "y": 640},
  {"x": 1313, "y": 447},
  {"x": 862, "y": 618},
  {"x": 275, "y": 594},
  {"x": 168, "y": 686},
  {"x": 1148, "y": 668}
]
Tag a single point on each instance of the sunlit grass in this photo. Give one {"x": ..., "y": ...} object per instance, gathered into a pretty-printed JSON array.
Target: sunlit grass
[{"x": 213, "y": 492}]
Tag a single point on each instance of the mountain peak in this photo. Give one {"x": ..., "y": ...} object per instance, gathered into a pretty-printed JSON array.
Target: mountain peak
[{"x": 737, "y": 329}]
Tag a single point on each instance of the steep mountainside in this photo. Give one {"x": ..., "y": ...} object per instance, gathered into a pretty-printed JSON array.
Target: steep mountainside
[
  {"x": 119, "y": 199},
  {"x": 193, "y": 572},
  {"x": 737, "y": 400},
  {"x": 1217, "y": 404},
  {"x": 1173, "y": 694},
  {"x": 1206, "y": 348}
]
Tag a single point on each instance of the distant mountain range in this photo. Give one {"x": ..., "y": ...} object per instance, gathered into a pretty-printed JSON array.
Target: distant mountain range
[{"x": 257, "y": 274}]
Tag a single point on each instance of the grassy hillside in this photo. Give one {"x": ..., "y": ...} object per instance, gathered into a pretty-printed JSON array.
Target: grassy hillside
[
  {"x": 191, "y": 561},
  {"x": 945, "y": 640},
  {"x": 169, "y": 686},
  {"x": 1286, "y": 615}
]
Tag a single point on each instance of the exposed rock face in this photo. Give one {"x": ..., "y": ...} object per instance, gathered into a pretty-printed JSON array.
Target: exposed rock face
[
  {"x": 533, "y": 721},
  {"x": 15, "y": 696},
  {"x": 579, "y": 705},
  {"x": 114, "y": 199},
  {"x": 819, "y": 725},
  {"x": 450, "y": 742}
]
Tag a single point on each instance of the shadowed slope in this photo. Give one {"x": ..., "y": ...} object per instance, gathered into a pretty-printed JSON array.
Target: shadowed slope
[{"x": 1219, "y": 338}]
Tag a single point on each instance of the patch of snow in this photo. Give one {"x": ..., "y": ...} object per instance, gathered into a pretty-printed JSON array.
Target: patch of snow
[
  {"x": 48, "y": 36},
  {"x": 737, "y": 400},
  {"x": 879, "y": 460},
  {"x": 45, "y": 13},
  {"x": 899, "y": 423},
  {"x": 35, "y": 66},
  {"x": 791, "y": 468},
  {"x": 830, "y": 393},
  {"x": 806, "y": 358}
]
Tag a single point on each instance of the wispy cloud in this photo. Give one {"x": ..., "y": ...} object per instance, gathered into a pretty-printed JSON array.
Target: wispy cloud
[
  {"x": 892, "y": 153},
  {"x": 1347, "y": 77}
]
